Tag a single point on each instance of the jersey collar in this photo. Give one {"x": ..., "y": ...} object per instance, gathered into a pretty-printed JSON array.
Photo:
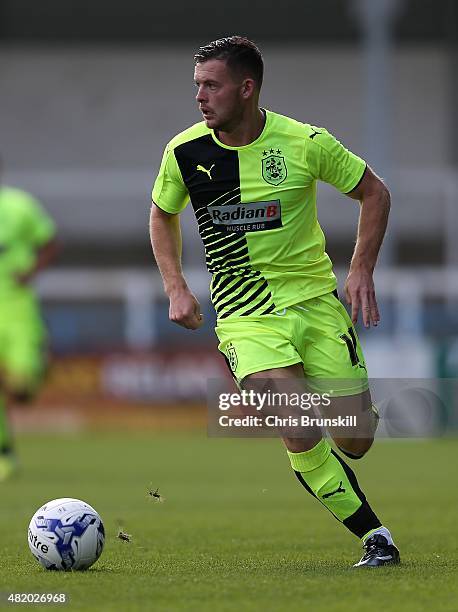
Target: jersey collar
[{"x": 250, "y": 144}]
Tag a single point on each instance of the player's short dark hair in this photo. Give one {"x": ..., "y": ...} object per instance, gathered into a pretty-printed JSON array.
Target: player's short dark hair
[{"x": 241, "y": 55}]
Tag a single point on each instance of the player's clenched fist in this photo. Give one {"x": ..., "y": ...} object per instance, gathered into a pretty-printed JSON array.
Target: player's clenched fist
[{"x": 185, "y": 310}]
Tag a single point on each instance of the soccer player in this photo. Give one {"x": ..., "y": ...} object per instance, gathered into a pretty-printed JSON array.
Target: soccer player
[
  {"x": 27, "y": 245},
  {"x": 251, "y": 176}
]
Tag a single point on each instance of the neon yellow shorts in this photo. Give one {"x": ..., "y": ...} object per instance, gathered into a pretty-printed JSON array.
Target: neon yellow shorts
[
  {"x": 22, "y": 342},
  {"x": 317, "y": 333}
]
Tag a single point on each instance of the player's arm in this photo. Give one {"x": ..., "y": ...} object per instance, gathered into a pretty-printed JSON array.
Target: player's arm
[
  {"x": 39, "y": 232},
  {"x": 328, "y": 160},
  {"x": 374, "y": 198},
  {"x": 45, "y": 256},
  {"x": 169, "y": 198},
  {"x": 165, "y": 234}
]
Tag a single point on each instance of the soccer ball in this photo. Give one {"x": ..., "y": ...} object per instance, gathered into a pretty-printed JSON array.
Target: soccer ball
[{"x": 66, "y": 534}]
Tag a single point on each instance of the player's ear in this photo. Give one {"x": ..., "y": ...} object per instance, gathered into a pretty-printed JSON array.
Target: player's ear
[{"x": 248, "y": 87}]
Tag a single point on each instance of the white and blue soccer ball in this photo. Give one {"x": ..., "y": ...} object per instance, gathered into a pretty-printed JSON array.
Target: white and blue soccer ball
[{"x": 66, "y": 534}]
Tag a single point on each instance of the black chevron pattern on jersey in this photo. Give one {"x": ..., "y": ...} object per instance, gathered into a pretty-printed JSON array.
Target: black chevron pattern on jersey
[
  {"x": 251, "y": 290},
  {"x": 223, "y": 250},
  {"x": 236, "y": 288}
]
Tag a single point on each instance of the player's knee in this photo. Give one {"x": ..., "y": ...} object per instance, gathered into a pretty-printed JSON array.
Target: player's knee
[
  {"x": 20, "y": 391},
  {"x": 354, "y": 448},
  {"x": 22, "y": 396}
]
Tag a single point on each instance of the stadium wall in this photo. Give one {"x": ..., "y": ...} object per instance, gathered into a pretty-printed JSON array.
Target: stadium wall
[{"x": 84, "y": 128}]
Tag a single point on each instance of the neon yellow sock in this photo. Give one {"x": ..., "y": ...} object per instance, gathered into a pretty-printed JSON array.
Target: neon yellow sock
[
  {"x": 5, "y": 432},
  {"x": 328, "y": 478}
]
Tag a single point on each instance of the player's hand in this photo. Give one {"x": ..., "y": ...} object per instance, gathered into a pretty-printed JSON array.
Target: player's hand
[
  {"x": 185, "y": 310},
  {"x": 360, "y": 293},
  {"x": 24, "y": 278}
]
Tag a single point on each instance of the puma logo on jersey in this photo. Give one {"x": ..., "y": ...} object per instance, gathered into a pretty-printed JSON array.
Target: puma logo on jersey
[
  {"x": 315, "y": 133},
  {"x": 202, "y": 169}
]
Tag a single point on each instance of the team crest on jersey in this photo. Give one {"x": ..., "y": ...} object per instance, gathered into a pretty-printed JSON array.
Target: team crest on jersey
[
  {"x": 232, "y": 356},
  {"x": 274, "y": 169}
]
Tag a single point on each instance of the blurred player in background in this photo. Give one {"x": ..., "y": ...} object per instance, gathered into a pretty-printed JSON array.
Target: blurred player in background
[
  {"x": 27, "y": 245},
  {"x": 251, "y": 176}
]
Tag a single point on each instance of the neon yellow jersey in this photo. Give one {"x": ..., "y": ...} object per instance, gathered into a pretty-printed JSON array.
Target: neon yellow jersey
[
  {"x": 255, "y": 207},
  {"x": 24, "y": 228}
]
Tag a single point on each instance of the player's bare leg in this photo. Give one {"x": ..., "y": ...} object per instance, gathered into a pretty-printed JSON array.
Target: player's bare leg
[
  {"x": 353, "y": 442},
  {"x": 287, "y": 379},
  {"x": 15, "y": 389}
]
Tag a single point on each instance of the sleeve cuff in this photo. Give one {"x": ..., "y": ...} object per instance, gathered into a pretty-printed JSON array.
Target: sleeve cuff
[
  {"x": 358, "y": 182},
  {"x": 163, "y": 208}
]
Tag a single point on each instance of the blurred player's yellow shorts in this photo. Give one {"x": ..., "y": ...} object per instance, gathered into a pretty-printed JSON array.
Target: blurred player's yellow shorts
[
  {"x": 22, "y": 341},
  {"x": 318, "y": 333}
]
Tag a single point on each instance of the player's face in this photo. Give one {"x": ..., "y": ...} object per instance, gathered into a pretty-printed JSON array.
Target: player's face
[{"x": 219, "y": 95}]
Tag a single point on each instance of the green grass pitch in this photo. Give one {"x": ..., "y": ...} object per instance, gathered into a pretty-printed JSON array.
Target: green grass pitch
[{"x": 236, "y": 530}]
